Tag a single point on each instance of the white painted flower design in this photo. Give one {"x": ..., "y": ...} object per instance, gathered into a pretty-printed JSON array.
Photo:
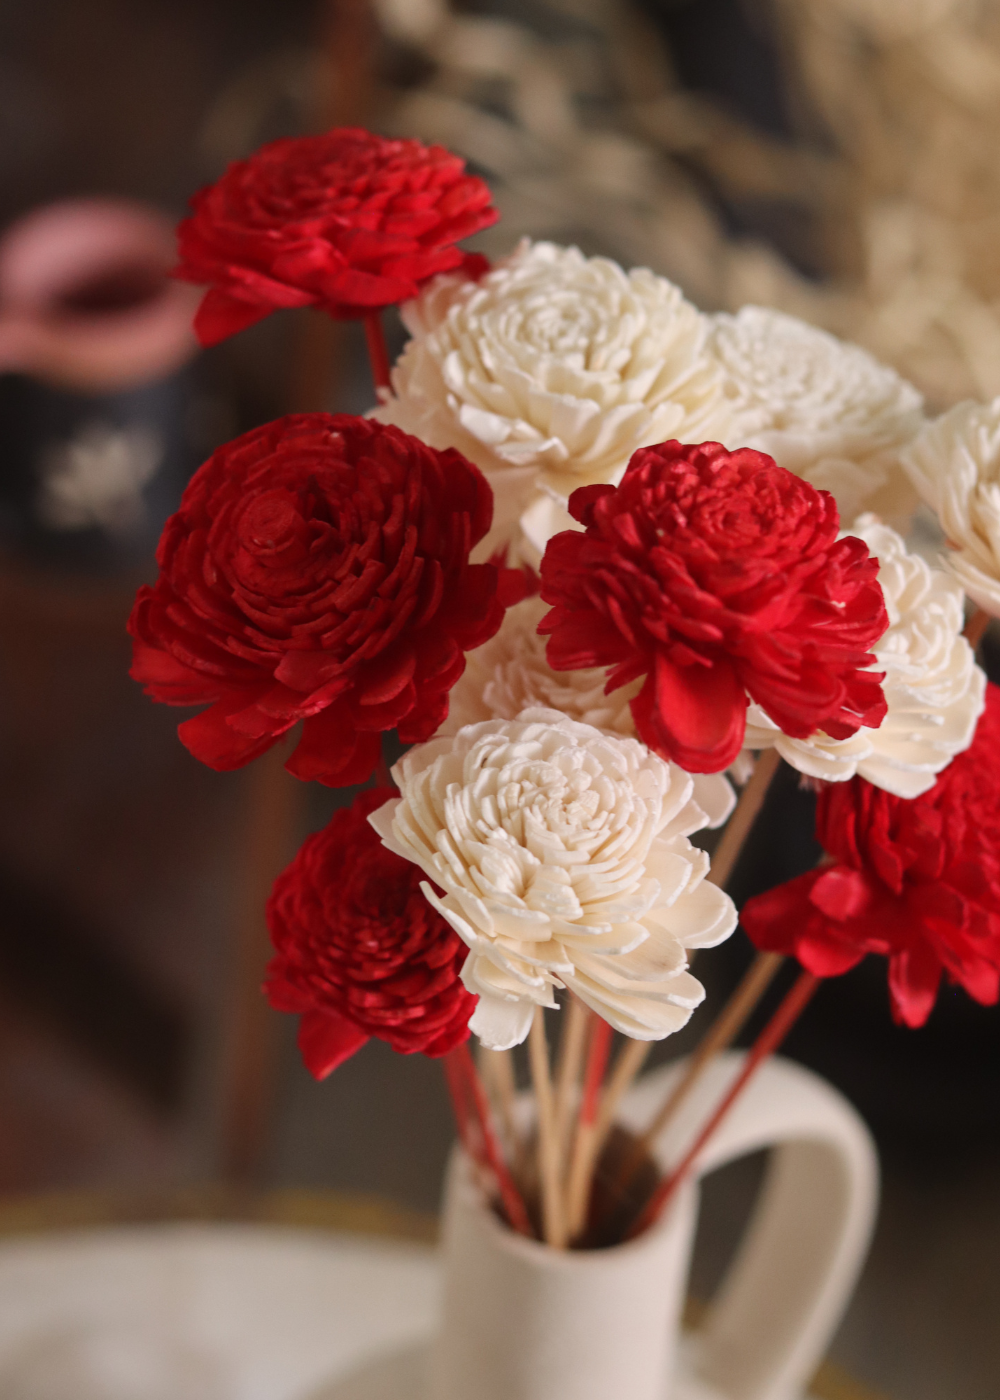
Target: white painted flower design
[
  {"x": 934, "y": 689},
  {"x": 562, "y": 857}
]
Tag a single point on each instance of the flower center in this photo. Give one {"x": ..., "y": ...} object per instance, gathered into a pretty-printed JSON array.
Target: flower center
[
  {"x": 541, "y": 797},
  {"x": 272, "y": 528}
]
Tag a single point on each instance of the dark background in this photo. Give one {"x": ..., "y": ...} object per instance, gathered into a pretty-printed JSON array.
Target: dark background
[{"x": 134, "y": 1051}]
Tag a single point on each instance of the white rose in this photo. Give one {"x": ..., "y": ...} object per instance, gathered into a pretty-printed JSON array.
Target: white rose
[
  {"x": 564, "y": 860},
  {"x": 934, "y": 690},
  {"x": 550, "y": 371},
  {"x": 510, "y": 673},
  {"x": 821, "y": 407},
  {"x": 955, "y": 465}
]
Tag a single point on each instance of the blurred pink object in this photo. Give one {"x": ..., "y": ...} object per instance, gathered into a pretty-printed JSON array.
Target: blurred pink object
[{"x": 86, "y": 301}]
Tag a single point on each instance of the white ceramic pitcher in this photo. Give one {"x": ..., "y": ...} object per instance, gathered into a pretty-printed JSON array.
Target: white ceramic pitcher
[{"x": 521, "y": 1321}]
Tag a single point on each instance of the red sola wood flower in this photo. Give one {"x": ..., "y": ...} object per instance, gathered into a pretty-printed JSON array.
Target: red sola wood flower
[
  {"x": 715, "y": 575},
  {"x": 347, "y": 221},
  {"x": 359, "y": 951},
  {"x": 916, "y": 881},
  {"x": 318, "y": 570}
]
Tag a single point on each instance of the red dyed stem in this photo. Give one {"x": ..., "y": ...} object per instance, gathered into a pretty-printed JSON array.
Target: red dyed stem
[
  {"x": 597, "y": 1063},
  {"x": 459, "y": 1103},
  {"x": 794, "y": 1003},
  {"x": 383, "y": 778},
  {"x": 475, "y": 1128},
  {"x": 378, "y": 355}
]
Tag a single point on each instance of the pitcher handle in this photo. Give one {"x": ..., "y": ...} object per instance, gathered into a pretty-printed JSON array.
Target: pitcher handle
[{"x": 784, "y": 1294}]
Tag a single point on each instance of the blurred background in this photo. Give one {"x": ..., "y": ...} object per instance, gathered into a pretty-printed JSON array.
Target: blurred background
[{"x": 836, "y": 158}]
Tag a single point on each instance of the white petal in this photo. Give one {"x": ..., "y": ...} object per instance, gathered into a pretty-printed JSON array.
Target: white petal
[{"x": 501, "y": 1024}]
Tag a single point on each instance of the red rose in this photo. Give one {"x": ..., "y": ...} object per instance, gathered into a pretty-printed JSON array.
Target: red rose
[
  {"x": 917, "y": 881},
  {"x": 716, "y": 574},
  {"x": 360, "y": 952},
  {"x": 347, "y": 221},
  {"x": 318, "y": 569}
]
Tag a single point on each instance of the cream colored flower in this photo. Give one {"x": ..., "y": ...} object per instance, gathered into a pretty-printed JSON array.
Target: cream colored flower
[
  {"x": 550, "y": 372},
  {"x": 510, "y": 673},
  {"x": 934, "y": 690},
  {"x": 563, "y": 858},
  {"x": 822, "y": 408},
  {"x": 955, "y": 465}
]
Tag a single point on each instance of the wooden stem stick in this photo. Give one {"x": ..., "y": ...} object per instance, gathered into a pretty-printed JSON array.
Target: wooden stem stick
[
  {"x": 976, "y": 626},
  {"x": 553, "y": 1227},
  {"x": 498, "y": 1069},
  {"x": 720, "y": 1035},
  {"x": 475, "y": 1127},
  {"x": 794, "y": 1003},
  {"x": 738, "y": 827},
  {"x": 378, "y": 355},
  {"x": 571, "y": 1051},
  {"x": 628, "y": 1064},
  {"x": 581, "y": 1167},
  {"x": 634, "y": 1056}
]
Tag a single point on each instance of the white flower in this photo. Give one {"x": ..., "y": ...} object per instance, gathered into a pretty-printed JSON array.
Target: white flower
[
  {"x": 510, "y": 673},
  {"x": 934, "y": 690},
  {"x": 550, "y": 371},
  {"x": 821, "y": 407},
  {"x": 564, "y": 860},
  {"x": 955, "y": 465}
]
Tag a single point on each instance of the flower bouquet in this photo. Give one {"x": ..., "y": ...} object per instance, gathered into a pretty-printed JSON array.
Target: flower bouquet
[{"x": 602, "y": 560}]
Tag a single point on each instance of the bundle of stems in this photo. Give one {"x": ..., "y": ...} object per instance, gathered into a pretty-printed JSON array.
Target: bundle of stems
[{"x": 550, "y": 1180}]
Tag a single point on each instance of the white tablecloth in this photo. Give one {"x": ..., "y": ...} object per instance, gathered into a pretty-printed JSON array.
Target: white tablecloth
[{"x": 204, "y": 1311}]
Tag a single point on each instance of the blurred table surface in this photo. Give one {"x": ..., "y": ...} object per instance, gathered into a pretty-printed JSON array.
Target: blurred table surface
[{"x": 317, "y": 1212}]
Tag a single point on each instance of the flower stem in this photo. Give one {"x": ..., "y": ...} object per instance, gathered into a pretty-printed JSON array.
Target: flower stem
[
  {"x": 553, "y": 1225},
  {"x": 738, "y": 827},
  {"x": 497, "y": 1068},
  {"x": 581, "y": 1168},
  {"x": 378, "y": 355},
  {"x": 630, "y": 1061},
  {"x": 383, "y": 778},
  {"x": 721, "y": 1034},
  {"x": 976, "y": 626},
  {"x": 635, "y": 1053},
  {"x": 794, "y": 1003},
  {"x": 571, "y": 1052},
  {"x": 475, "y": 1128}
]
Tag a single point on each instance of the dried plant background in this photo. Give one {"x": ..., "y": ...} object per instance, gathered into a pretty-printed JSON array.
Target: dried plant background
[{"x": 590, "y": 138}]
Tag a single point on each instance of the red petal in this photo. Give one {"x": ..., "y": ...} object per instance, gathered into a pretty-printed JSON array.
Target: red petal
[
  {"x": 211, "y": 738},
  {"x": 840, "y": 893},
  {"x": 581, "y": 639},
  {"x": 784, "y": 920},
  {"x": 332, "y": 751},
  {"x": 363, "y": 290},
  {"x": 695, "y": 715},
  {"x": 326, "y": 1041},
  {"x": 220, "y": 316},
  {"x": 914, "y": 975}
]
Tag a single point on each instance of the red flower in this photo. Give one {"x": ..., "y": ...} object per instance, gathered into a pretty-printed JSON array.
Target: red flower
[
  {"x": 714, "y": 574},
  {"x": 360, "y": 952},
  {"x": 917, "y": 881},
  {"x": 347, "y": 221},
  {"x": 318, "y": 569}
]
